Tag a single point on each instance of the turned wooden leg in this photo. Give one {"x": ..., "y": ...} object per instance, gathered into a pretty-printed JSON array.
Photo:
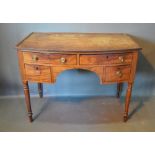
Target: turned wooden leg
[
  {"x": 119, "y": 89},
  {"x": 40, "y": 90},
  {"x": 127, "y": 102},
  {"x": 27, "y": 99}
]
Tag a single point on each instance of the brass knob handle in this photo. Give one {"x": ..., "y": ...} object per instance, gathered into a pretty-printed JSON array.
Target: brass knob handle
[
  {"x": 121, "y": 59},
  {"x": 119, "y": 73},
  {"x": 37, "y": 68},
  {"x": 62, "y": 60},
  {"x": 34, "y": 58}
]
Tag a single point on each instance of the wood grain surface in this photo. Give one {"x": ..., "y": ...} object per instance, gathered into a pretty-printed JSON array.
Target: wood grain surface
[{"x": 82, "y": 42}]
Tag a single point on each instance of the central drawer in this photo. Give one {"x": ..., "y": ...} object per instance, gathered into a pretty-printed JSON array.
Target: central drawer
[
  {"x": 105, "y": 59},
  {"x": 51, "y": 59}
]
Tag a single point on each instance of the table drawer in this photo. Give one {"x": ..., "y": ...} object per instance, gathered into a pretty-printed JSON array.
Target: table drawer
[
  {"x": 53, "y": 59},
  {"x": 38, "y": 73},
  {"x": 63, "y": 59},
  {"x": 36, "y": 58},
  {"x": 117, "y": 73},
  {"x": 102, "y": 59},
  {"x": 92, "y": 59},
  {"x": 119, "y": 58}
]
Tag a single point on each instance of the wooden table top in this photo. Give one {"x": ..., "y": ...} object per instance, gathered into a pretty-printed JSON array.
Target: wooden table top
[{"x": 79, "y": 42}]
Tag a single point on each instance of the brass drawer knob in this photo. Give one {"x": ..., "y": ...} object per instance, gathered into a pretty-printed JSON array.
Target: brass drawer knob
[
  {"x": 121, "y": 59},
  {"x": 34, "y": 58},
  {"x": 119, "y": 73},
  {"x": 62, "y": 60},
  {"x": 37, "y": 70}
]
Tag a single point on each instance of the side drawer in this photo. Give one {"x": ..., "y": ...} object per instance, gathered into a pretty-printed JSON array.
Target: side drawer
[
  {"x": 51, "y": 59},
  {"x": 104, "y": 59},
  {"x": 125, "y": 58},
  {"x": 38, "y": 73},
  {"x": 117, "y": 73},
  {"x": 36, "y": 58},
  {"x": 63, "y": 59}
]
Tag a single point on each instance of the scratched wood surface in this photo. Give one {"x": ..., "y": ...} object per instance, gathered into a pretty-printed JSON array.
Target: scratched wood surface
[{"x": 83, "y": 42}]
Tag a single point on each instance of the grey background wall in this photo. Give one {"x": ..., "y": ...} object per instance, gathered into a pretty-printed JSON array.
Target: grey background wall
[{"x": 75, "y": 82}]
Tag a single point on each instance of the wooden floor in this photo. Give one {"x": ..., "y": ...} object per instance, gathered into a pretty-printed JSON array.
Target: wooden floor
[{"x": 77, "y": 114}]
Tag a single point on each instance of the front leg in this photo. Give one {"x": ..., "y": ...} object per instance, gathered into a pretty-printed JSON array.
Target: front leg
[
  {"x": 27, "y": 99},
  {"x": 127, "y": 102},
  {"x": 40, "y": 90},
  {"x": 119, "y": 89}
]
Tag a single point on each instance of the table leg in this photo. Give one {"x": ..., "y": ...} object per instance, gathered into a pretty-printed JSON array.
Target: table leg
[
  {"x": 119, "y": 89},
  {"x": 127, "y": 102},
  {"x": 27, "y": 99},
  {"x": 40, "y": 90}
]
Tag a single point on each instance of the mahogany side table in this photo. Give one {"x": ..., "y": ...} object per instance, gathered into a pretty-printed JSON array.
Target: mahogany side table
[{"x": 43, "y": 56}]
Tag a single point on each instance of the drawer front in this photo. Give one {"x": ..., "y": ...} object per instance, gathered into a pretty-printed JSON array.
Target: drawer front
[
  {"x": 117, "y": 73},
  {"x": 119, "y": 58},
  {"x": 92, "y": 59},
  {"x": 63, "y": 59},
  {"x": 38, "y": 73},
  {"x": 36, "y": 58},
  {"x": 51, "y": 59},
  {"x": 104, "y": 59}
]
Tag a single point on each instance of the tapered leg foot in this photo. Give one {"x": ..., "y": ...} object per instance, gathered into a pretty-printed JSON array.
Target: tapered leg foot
[
  {"x": 40, "y": 90},
  {"x": 125, "y": 118},
  {"x": 27, "y": 99},
  {"x": 30, "y": 117}
]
